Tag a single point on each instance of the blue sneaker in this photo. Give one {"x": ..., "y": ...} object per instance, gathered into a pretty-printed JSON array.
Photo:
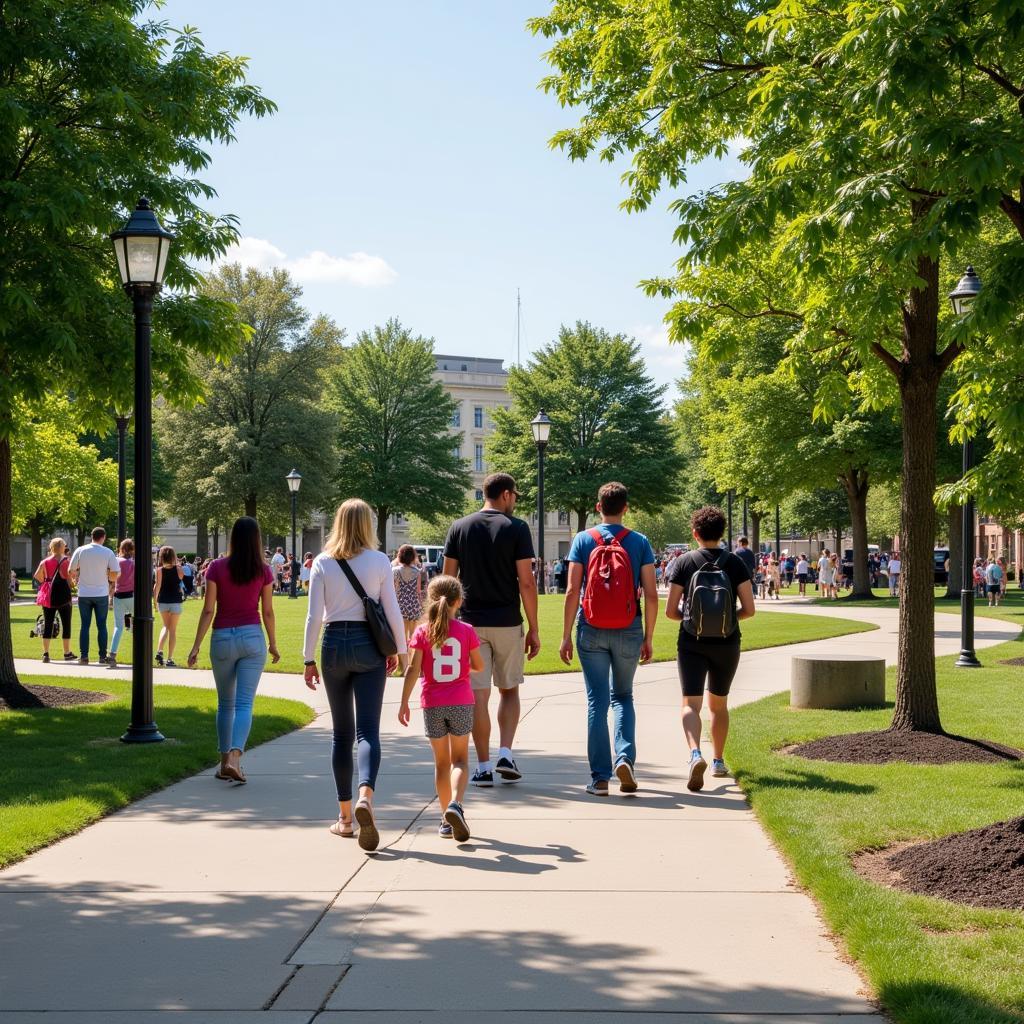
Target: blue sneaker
[
  {"x": 695, "y": 777},
  {"x": 455, "y": 818},
  {"x": 482, "y": 779},
  {"x": 719, "y": 769},
  {"x": 444, "y": 830}
]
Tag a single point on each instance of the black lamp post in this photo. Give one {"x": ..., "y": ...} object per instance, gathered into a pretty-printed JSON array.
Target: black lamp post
[
  {"x": 745, "y": 515},
  {"x": 728, "y": 513},
  {"x": 541, "y": 426},
  {"x": 121, "y": 419},
  {"x": 294, "y": 479},
  {"x": 778, "y": 538},
  {"x": 962, "y": 298},
  {"x": 141, "y": 248}
]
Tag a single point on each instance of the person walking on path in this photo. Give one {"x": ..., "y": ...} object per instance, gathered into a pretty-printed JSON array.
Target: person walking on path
[
  {"x": 54, "y": 570},
  {"x": 277, "y": 565},
  {"x": 711, "y": 582},
  {"x": 746, "y": 556},
  {"x": 354, "y": 670},
  {"x": 167, "y": 591},
  {"x": 994, "y": 582},
  {"x": 238, "y": 588},
  {"x": 409, "y": 588},
  {"x": 894, "y": 575},
  {"x": 492, "y": 554},
  {"x": 803, "y": 568},
  {"x": 443, "y": 651},
  {"x": 609, "y": 567},
  {"x": 94, "y": 567},
  {"x": 124, "y": 595}
]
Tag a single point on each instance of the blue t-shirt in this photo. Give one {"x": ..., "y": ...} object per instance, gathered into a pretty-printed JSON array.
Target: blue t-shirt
[{"x": 637, "y": 546}]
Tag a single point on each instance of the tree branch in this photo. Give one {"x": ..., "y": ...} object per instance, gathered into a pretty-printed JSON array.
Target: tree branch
[
  {"x": 1000, "y": 80},
  {"x": 888, "y": 358},
  {"x": 949, "y": 354}
]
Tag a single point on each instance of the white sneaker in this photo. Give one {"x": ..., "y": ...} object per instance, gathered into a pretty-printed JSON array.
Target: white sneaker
[{"x": 695, "y": 777}]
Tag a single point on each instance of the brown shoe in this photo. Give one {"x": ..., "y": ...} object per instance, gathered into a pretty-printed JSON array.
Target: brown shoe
[
  {"x": 598, "y": 788},
  {"x": 627, "y": 780}
]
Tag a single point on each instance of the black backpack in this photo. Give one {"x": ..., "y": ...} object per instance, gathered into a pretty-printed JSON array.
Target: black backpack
[{"x": 710, "y": 602}]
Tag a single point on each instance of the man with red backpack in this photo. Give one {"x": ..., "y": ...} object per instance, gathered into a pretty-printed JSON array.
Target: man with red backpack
[{"x": 611, "y": 569}]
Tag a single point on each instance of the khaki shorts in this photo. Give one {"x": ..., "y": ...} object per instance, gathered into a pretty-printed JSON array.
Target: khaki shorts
[{"x": 504, "y": 657}]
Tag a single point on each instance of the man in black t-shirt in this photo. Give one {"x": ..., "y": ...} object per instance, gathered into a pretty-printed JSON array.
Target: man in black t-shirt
[
  {"x": 492, "y": 554},
  {"x": 708, "y": 661},
  {"x": 746, "y": 556}
]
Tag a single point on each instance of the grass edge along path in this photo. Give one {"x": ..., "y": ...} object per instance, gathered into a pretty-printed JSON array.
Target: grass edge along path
[
  {"x": 65, "y": 768},
  {"x": 928, "y": 961},
  {"x": 766, "y": 629}
]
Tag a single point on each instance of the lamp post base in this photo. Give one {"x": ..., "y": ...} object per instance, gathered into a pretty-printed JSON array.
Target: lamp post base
[
  {"x": 143, "y": 734},
  {"x": 967, "y": 659}
]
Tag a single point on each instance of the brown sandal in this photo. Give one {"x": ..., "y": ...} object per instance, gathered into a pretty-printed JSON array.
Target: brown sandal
[
  {"x": 343, "y": 828},
  {"x": 232, "y": 773}
]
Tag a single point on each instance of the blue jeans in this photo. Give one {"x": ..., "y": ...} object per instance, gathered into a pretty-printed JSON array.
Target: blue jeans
[
  {"x": 354, "y": 674},
  {"x": 87, "y": 607},
  {"x": 609, "y": 658},
  {"x": 122, "y": 606},
  {"x": 238, "y": 655}
]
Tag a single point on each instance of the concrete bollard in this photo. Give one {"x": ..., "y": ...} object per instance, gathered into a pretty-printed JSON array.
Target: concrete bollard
[{"x": 837, "y": 681}]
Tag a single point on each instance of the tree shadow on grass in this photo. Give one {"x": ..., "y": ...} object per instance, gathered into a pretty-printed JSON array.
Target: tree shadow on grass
[
  {"x": 934, "y": 1002},
  {"x": 796, "y": 778}
]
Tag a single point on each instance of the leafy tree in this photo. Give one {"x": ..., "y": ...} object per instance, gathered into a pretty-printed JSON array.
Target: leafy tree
[
  {"x": 98, "y": 105},
  {"x": 669, "y": 525},
  {"x": 875, "y": 145},
  {"x": 815, "y": 511},
  {"x": 425, "y": 531},
  {"x": 394, "y": 446},
  {"x": 261, "y": 415},
  {"x": 607, "y": 423}
]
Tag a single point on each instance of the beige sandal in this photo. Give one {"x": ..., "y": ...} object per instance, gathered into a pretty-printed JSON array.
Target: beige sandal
[
  {"x": 369, "y": 837},
  {"x": 343, "y": 828}
]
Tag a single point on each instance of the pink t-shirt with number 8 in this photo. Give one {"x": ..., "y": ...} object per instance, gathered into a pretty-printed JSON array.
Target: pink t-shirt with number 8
[{"x": 444, "y": 678}]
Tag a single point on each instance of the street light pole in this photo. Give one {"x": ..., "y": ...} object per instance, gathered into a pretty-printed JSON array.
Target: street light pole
[
  {"x": 121, "y": 419},
  {"x": 962, "y": 297},
  {"x": 541, "y": 427},
  {"x": 728, "y": 506},
  {"x": 778, "y": 537},
  {"x": 294, "y": 479},
  {"x": 141, "y": 249},
  {"x": 745, "y": 513}
]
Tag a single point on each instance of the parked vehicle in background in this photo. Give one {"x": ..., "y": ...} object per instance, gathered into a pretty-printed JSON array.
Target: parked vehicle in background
[
  {"x": 431, "y": 556},
  {"x": 941, "y": 557},
  {"x": 873, "y": 549}
]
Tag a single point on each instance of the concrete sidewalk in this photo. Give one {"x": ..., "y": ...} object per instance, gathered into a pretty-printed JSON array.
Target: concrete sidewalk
[{"x": 211, "y": 902}]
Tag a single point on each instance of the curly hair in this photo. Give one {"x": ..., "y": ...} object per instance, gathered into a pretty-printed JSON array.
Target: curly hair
[{"x": 708, "y": 522}]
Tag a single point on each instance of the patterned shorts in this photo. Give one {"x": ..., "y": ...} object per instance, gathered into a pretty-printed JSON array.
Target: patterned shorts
[{"x": 448, "y": 720}]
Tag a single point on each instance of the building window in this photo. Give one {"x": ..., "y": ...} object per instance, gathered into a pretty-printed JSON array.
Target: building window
[
  {"x": 478, "y": 416},
  {"x": 479, "y": 495},
  {"x": 457, "y": 417},
  {"x": 464, "y": 367},
  {"x": 457, "y": 450},
  {"x": 563, "y": 518},
  {"x": 478, "y": 458}
]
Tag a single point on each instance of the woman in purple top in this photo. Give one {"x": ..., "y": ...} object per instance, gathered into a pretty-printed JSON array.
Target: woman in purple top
[
  {"x": 238, "y": 588},
  {"x": 124, "y": 594}
]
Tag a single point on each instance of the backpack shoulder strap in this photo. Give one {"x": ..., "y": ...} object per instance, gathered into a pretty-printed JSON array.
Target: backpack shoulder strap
[
  {"x": 352, "y": 578},
  {"x": 597, "y": 535}
]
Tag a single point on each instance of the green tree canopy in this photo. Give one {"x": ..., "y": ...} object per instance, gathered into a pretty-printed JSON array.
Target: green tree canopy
[
  {"x": 394, "y": 445},
  {"x": 607, "y": 418}
]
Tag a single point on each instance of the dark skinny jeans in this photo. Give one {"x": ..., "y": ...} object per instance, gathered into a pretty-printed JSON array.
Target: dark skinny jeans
[{"x": 354, "y": 674}]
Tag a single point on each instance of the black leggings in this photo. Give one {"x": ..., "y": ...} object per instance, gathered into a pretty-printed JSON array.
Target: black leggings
[
  {"x": 50, "y": 617},
  {"x": 712, "y": 663}
]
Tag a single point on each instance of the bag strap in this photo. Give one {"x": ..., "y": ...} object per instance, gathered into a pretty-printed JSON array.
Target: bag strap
[
  {"x": 352, "y": 578},
  {"x": 617, "y": 539}
]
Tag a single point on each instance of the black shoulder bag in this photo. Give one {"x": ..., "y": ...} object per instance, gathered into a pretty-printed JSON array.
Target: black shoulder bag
[{"x": 376, "y": 619}]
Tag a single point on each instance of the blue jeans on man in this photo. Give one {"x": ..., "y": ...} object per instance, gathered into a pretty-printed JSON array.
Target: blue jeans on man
[
  {"x": 609, "y": 658},
  {"x": 87, "y": 607}
]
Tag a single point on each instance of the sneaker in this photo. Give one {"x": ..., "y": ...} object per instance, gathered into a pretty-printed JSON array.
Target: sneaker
[
  {"x": 444, "y": 830},
  {"x": 598, "y": 788},
  {"x": 695, "y": 778},
  {"x": 507, "y": 769},
  {"x": 46, "y": 659},
  {"x": 719, "y": 769},
  {"x": 83, "y": 661},
  {"x": 111, "y": 660},
  {"x": 160, "y": 657},
  {"x": 627, "y": 780},
  {"x": 482, "y": 779},
  {"x": 455, "y": 817},
  {"x": 70, "y": 656},
  {"x": 170, "y": 663}
]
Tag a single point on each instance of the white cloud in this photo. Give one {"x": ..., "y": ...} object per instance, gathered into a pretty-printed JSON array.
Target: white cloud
[{"x": 358, "y": 268}]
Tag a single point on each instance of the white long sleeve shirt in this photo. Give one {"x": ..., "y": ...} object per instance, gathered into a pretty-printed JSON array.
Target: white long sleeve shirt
[{"x": 332, "y": 599}]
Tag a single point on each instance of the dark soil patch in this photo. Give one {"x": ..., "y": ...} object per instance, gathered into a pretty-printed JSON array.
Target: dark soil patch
[
  {"x": 1012, "y": 661},
  {"x": 55, "y": 697},
  {"x": 912, "y": 747},
  {"x": 982, "y": 868}
]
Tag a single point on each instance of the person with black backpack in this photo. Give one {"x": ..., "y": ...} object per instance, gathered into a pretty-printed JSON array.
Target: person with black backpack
[{"x": 703, "y": 591}]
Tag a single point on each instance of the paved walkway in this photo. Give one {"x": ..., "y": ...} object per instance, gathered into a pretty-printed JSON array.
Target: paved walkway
[{"x": 234, "y": 905}]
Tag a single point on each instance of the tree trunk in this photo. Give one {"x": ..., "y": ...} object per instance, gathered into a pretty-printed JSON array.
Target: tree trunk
[
  {"x": 35, "y": 531},
  {"x": 855, "y": 483},
  {"x": 250, "y": 505},
  {"x": 755, "y": 531},
  {"x": 581, "y": 519},
  {"x": 917, "y": 704},
  {"x": 202, "y": 539},
  {"x": 11, "y": 691},
  {"x": 216, "y": 542},
  {"x": 80, "y": 531},
  {"x": 383, "y": 514},
  {"x": 956, "y": 546}
]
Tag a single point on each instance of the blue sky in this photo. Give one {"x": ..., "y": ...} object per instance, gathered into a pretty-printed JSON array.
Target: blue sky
[{"x": 407, "y": 173}]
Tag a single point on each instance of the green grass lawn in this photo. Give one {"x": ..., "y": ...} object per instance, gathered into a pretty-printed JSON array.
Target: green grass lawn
[
  {"x": 766, "y": 629},
  {"x": 1011, "y": 610},
  {"x": 63, "y": 768},
  {"x": 928, "y": 960}
]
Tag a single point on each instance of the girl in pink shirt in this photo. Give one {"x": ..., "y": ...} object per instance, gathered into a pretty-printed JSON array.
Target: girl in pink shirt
[{"x": 443, "y": 652}]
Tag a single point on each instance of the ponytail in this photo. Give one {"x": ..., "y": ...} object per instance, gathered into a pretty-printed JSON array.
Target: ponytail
[{"x": 443, "y": 593}]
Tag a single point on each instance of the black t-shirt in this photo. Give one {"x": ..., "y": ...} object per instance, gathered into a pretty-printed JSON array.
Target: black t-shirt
[
  {"x": 487, "y": 544},
  {"x": 746, "y": 556},
  {"x": 689, "y": 562}
]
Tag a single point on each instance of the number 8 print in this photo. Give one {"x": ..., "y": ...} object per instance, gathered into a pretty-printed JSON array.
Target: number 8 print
[{"x": 448, "y": 661}]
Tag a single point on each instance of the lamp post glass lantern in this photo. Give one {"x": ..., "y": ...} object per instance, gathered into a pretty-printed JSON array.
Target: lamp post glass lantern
[
  {"x": 294, "y": 479},
  {"x": 141, "y": 249},
  {"x": 541, "y": 427},
  {"x": 962, "y": 298}
]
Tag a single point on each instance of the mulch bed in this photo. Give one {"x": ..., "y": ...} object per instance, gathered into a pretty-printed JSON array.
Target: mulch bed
[
  {"x": 1013, "y": 661},
  {"x": 912, "y": 747},
  {"x": 56, "y": 697},
  {"x": 983, "y": 867}
]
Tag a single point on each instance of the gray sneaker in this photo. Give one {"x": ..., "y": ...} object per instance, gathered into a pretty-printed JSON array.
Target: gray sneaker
[
  {"x": 598, "y": 788},
  {"x": 695, "y": 777},
  {"x": 719, "y": 769}
]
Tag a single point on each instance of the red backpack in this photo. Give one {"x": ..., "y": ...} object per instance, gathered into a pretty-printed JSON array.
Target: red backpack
[{"x": 610, "y": 596}]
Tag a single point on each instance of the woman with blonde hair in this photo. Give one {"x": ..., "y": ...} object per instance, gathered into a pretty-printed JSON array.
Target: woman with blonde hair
[
  {"x": 54, "y": 572},
  {"x": 354, "y": 670}
]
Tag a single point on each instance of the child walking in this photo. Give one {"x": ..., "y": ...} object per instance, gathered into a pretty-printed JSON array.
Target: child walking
[{"x": 442, "y": 651}]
